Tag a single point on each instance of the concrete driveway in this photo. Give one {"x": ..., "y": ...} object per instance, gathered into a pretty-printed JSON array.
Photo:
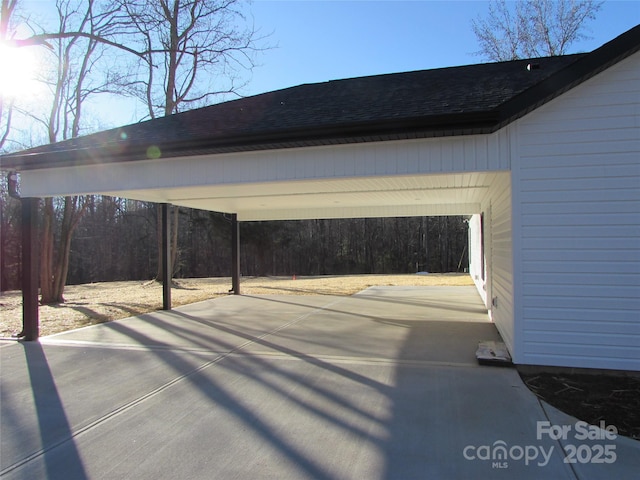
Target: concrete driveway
[{"x": 380, "y": 385}]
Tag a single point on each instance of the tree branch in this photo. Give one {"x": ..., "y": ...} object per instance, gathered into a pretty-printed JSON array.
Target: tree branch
[{"x": 41, "y": 39}]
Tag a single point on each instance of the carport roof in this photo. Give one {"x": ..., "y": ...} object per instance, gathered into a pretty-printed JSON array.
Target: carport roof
[{"x": 462, "y": 100}]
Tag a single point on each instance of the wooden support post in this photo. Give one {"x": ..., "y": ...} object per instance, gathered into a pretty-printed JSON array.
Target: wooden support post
[
  {"x": 235, "y": 254},
  {"x": 166, "y": 258},
  {"x": 30, "y": 270}
]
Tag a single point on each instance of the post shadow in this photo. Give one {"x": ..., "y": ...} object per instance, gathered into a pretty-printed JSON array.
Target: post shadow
[
  {"x": 59, "y": 450},
  {"x": 218, "y": 395}
]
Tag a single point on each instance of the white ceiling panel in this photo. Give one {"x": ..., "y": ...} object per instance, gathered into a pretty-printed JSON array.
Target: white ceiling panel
[{"x": 416, "y": 195}]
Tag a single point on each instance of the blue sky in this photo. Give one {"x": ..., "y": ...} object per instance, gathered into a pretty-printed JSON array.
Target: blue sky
[
  {"x": 326, "y": 40},
  {"x": 317, "y": 41}
]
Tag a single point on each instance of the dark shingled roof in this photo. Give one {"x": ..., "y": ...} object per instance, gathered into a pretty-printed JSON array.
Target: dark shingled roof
[{"x": 441, "y": 102}]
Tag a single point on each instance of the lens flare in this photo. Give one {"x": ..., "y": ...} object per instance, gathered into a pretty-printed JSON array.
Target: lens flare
[
  {"x": 18, "y": 67},
  {"x": 154, "y": 152}
]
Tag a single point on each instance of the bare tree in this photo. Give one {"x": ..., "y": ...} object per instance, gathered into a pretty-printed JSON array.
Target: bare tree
[
  {"x": 7, "y": 7},
  {"x": 194, "y": 50},
  {"x": 189, "y": 50},
  {"x": 532, "y": 28},
  {"x": 102, "y": 27},
  {"x": 75, "y": 79}
]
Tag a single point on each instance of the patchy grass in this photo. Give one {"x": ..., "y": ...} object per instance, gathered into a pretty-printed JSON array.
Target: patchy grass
[{"x": 102, "y": 302}]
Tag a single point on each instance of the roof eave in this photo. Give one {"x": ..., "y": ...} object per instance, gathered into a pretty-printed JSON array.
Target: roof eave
[
  {"x": 578, "y": 72},
  {"x": 420, "y": 127}
]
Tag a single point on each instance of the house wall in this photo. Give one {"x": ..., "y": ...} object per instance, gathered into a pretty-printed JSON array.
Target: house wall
[
  {"x": 576, "y": 210},
  {"x": 493, "y": 274},
  {"x": 499, "y": 246},
  {"x": 477, "y": 259}
]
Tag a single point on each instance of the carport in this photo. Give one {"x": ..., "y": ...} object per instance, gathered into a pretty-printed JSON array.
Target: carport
[
  {"x": 391, "y": 145},
  {"x": 278, "y": 195},
  {"x": 451, "y": 141}
]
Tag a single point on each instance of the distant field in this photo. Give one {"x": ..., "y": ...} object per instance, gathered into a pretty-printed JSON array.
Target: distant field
[{"x": 102, "y": 302}]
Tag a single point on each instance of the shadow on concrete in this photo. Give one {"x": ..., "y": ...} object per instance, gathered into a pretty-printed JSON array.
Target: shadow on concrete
[
  {"x": 300, "y": 291},
  {"x": 55, "y": 431},
  {"x": 401, "y": 433},
  {"x": 404, "y": 448},
  {"x": 218, "y": 395},
  {"x": 99, "y": 317},
  {"x": 446, "y": 306},
  {"x": 426, "y": 404}
]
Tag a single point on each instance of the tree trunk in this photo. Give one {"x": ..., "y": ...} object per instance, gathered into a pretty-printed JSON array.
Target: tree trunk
[
  {"x": 174, "y": 239},
  {"x": 54, "y": 268},
  {"x": 46, "y": 253},
  {"x": 3, "y": 250},
  {"x": 159, "y": 241}
]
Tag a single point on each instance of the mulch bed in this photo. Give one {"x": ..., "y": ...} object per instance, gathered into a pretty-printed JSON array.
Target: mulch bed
[{"x": 592, "y": 398}]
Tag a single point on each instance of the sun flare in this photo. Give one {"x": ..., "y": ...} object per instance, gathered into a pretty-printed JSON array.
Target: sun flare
[{"x": 18, "y": 67}]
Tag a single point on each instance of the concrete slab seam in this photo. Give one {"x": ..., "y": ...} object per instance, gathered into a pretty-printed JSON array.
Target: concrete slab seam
[{"x": 558, "y": 442}]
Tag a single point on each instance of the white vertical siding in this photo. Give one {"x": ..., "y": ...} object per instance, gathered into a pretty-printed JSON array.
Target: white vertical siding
[
  {"x": 476, "y": 263},
  {"x": 577, "y": 175},
  {"x": 500, "y": 272},
  {"x": 473, "y": 153},
  {"x": 496, "y": 285}
]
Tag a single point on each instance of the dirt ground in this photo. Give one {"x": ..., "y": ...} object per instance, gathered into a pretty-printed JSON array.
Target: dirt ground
[
  {"x": 101, "y": 302},
  {"x": 614, "y": 399},
  {"x": 592, "y": 398}
]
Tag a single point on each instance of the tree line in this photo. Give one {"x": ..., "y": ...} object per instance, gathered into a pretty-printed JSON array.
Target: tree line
[{"x": 115, "y": 239}]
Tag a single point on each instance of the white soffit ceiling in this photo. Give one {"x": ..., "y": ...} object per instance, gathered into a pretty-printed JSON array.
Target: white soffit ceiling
[{"x": 415, "y": 195}]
